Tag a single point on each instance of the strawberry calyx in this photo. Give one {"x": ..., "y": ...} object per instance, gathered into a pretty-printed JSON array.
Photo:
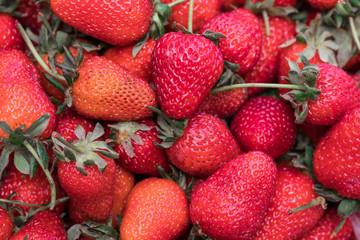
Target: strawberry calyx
[
  {"x": 92, "y": 230},
  {"x": 8, "y": 6},
  {"x": 87, "y": 150},
  {"x": 196, "y": 233},
  {"x": 169, "y": 129},
  {"x": 125, "y": 133}
]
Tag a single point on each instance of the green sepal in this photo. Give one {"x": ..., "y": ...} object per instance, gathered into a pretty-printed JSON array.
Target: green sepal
[
  {"x": 54, "y": 82},
  {"x": 5, "y": 127},
  {"x": 39, "y": 126},
  {"x": 62, "y": 39},
  {"x": 21, "y": 163},
  {"x": 348, "y": 206},
  {"x": 343, "y": 9},
  {"x": 8, "y": 6},
  {"x": 93, "y": 230},
  {"x": 312, "y": 92},
  {"x": 301, "y": 38},
  {"x": 139, "y": 45},
  {"x": 5, "y": 157},
  {"x": 329, "y": 195},
  {"x": 214, "y": 37}
]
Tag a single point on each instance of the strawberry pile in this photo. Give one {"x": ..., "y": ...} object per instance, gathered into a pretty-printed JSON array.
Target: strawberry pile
[{"x": 179, "y": 119}]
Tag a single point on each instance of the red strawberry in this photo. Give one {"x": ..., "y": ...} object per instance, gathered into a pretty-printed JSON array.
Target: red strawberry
[
  {"x": 45, "y": 225},
  {"x": 204, "y": 147},
  {"x": 231, "y": 204},
  {"x": 185, "y": 68},
  {"x": 326, "y": 225},
  {"x": 243, "y": 43},
  {"x": 30, "y": 11},
  {"x": 323, "y": 4},
  {"x": 265, "y": 69},
  {"x": 10, "y": 36},
  {"x": 293, "y": 188},
  {"x": 229, "y": 5},
  {"x": 136, "y": 148},
  {"x": 265, "y": 124},
  {"x": 155, "y": 207},
  {"x": 279, "y": 3},
  {"x": 139, "y": 65},
  {"x": 203, "y": 11},
  {"x": 336, "y": 157},
  {"x": 119, "y": 23},
  {"x": 6, "y": 226},
  {"x": 107, "y": 91},
  {"x": 314, "y": 132}
]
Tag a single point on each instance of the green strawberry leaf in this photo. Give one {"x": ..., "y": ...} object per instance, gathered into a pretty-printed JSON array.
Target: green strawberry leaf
[
  {"x": 42, "y": 153},
  {"x": 39, "y": 126}
]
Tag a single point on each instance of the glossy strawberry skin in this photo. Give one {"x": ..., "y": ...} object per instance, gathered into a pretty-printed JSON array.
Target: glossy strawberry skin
[
  {"x": 6, "y": 225},
  {"x": 265, "y": 124},
  {"x": 336, "y": 157},
  {"x": 205, "y": 146},
  {"x": 265, "y": 69},
  {"x": 293, "y": 189},
  {"x": 185, "y": 68},
  {"x": 155, "y": 207},
  {"x": 139, "y": 65},
  {"x": 45, "y": 225},
  {"x": 231, "y": 204},
  {"x": 326, "y": 225},
  {"x": 10, "y": 36},
  {"x": 243, "y": 43},
  {"x": 107, "y": 91},
  {"x": 93, "y": 194},
  {"x": 147, "y": 156},
  {"x": 203, "y": 11},
  {"x": 118, "y": 23}
]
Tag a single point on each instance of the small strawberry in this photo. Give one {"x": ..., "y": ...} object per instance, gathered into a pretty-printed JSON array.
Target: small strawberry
[
  {"x": 265, "y": 124},
  {"x": 336, "y": 157},
  {"x": 10, "y": 36},
  {"x": 138, "y": 65},
  {"x": 155, "y": 207},
  {"x": 231, "y": 204},
  {"x": 6, "y": 224},
  {"x": 45, "y": 225},
  {"x": 293, "y": 188},
  {"x": 137, "y": 149},
  {"x": 326, "y": 226},
  {"x": 185, "y": 68},
  {"x": 243, "y": 43}
]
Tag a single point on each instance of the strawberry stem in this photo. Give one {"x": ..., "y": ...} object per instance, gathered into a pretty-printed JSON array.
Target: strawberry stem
[
  {"x": 191, "y": 9},
  {"x": 176, "y": 3},
  {"x": 259, "y": 85},
  {"x": 36, "y": 54},
  {"x": 338, "y": 227},
  {"x": 266, "y": 21},
  {"x": 31, "y": 204},
  {"x": 317, "y": 201},
  {"x": 354, "y": 32},
  {"x": 46, "y": 171}
]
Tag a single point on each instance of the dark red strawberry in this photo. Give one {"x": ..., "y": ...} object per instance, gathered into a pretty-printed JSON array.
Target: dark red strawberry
[
  {"x": 30, "y": 14},
  {"x": 10, "y": 36},
  {"x": 231, "y": 204},
  {"x": 185, "y": 68},
  {"x": 314, "y": 132}
]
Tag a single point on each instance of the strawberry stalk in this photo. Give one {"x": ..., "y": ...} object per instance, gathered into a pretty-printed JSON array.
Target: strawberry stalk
[
  {"x": 46, "y": 171},
  {"x": 354, "y": 32},
  {"x": 190, "y": 20},
  {"x": 317, "y": 201},
  {"x": 31, "y": 204},
  {"x": 176, "y": 3},
  {"x": 262, "y": 85}
]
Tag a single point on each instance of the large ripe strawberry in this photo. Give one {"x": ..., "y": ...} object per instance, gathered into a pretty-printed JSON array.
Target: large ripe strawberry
[
  {"x": 205, "y": 146},
  {"x": 185, "y": 68},
  {"x": 136, "y": 148},
  {"x": 6, "y": 224},
  {"x": 337, "y": 156},
  {"x": 265, "y": 69},
  {"x": 327, "y": 224},
  {"x": 155, "y": 207},
  {"x": 265, "y": 124},
  {"x": 10, "y": 36},
  {"x": 119, "y": 23},
  {"x": 138, "y": 65},
  {"x": 293, "y": 189},
  {"x": 107, "y": 91},
  {"x": 44, "y": 225},
  {"x": 203, "y": 11},
  {"x": 231, "y": 204},
  {"x": 243, "y": 43}
]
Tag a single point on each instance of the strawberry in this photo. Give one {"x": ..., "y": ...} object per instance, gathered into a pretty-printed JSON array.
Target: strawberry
[
  {"x": 327, "y": 224},
  {"x": 314, "y": 132},
  {"x": 45, "y": 225},
  {"x": 243, "y": 43},
  {"x": 6, "y": 226},
  {"x": 155, "y": 207},
  {"x": 229, "y": 5},
  {"x": 336, "y": 157},
  {"x": 10, "y": 36},
  {"x": 135, "y": 144},
  {"x": 265, "y": 124},
  {"x": 59, "y": 58},
  {"x": 30, "y": 11},
  {"x": 203, "y": 11},
  {"x": 323, "y": 4},
  {"x": 124, "y": 182},
  {"x": 67, "y": 123},
  {"x": 185, "y": 68},
  {"x": 138, "y": 65},
  {"x": 232, "y": 202},
  {"x": 206, "y": 144},
  {"x": 265, "y": 69},
  {"x": 293, "y": 188},
  {"x": 128, "y": 20},
  {"x": 107, "y": 91}
]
